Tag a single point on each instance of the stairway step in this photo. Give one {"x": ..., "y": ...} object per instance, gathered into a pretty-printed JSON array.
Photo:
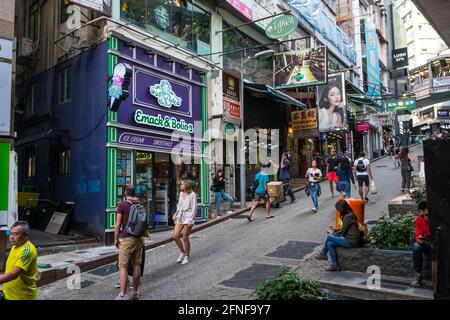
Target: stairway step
[{"x": 354, "y": 284}]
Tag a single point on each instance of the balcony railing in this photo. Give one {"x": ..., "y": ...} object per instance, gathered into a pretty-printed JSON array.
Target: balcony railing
[{"x": 422, "y": 90}]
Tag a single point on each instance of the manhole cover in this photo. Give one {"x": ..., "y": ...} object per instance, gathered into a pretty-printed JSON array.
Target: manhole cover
[
  {"x": 399, "y": 285},
  {"x": 104, "y": 271},
  {"x": 252, "y": 277},
  {"x": 294, "y": 250},
  {"x": 86, "y": 283}
]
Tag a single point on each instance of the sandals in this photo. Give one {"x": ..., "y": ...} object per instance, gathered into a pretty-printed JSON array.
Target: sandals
[
  {"x": 249, "y": 219},
  {"x": 269, "y": 217},
  {"x": 136, "y": 296}
]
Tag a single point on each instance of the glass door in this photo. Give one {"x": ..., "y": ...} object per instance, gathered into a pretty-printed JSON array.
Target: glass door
[
  {"x": 144, "y": 181},
  {"x": 161, "y": 180}
]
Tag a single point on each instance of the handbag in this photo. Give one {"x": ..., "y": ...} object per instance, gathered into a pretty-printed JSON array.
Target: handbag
[
  {"x": 409, "y": 166},
  {"x": 307, "y": 191},
  {"x": 176, "y": 215},
  {"x": 373, "y": 187},
  {"x": 213, "y": 188}
]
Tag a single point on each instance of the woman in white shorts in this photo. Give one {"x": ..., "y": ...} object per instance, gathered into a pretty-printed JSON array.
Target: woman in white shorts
[{"x": 184, "y": 220}]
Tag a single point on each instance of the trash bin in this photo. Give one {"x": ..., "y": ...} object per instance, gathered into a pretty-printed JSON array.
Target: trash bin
[{"x": 357, "y": 206}]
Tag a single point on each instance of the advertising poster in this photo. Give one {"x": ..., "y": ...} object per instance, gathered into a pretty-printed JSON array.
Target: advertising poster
[
  {"x": 300, "y": 68},
  {"x": 332, "y": 104},
  {"x": 373, "y": 62},
  {"x": 243, "y": 6}
]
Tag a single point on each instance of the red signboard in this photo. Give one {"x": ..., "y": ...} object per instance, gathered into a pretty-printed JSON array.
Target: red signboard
[
  {"x": 362, "y": 126},
  {"x": 231, "y": 111}
]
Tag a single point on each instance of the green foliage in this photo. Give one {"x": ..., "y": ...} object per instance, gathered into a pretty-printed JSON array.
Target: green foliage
[
  {"x": 395, "y": 232},
  {"x": 419, "y": 195},
  {"x": 288, "y": 286}
]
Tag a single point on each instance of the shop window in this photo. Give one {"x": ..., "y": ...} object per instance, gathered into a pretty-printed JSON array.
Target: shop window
[
  {"x": 123, "y": 172},
  {"x": 33, "y": 22},
  {"x": 30, "y": 154},
  {"x": 64, "y": 85},
  {"x": 177, "y": 21},
  {"x": 189, "y": 172},
  {"x": 64, "y": 161}
]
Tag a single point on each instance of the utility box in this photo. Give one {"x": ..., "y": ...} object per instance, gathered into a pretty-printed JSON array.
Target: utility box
[{"x": 437, "y": 175}]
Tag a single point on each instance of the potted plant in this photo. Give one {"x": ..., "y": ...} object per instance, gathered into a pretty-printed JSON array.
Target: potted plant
[
  {"x": 394, "y": 232},
  {"x": 288, "y": 286}
]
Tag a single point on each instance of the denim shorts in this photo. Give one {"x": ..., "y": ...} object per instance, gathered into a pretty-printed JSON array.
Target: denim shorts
[{"x": 259, "y": 196}]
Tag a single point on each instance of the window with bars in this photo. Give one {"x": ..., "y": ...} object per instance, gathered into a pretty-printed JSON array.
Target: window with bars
[
  {"x": 31, "y": 161},
  {"x": 33, "y": 22},
  {"x": 64, "y": 161},
  {"x": 64, "y": 85}
]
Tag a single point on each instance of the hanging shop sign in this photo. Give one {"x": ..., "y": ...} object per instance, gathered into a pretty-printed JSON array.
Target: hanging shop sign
[
  {"x": 118, "y": 90},
  {"x": 101, "y": 6},
  {"x": 401, "y": 104},
  {"x": 165, "y": 95},
  {"x": 230, "y": 129},
  {"x": 400, "y": 57},
  {"x": 281, "y": 26},
  {"x": 300, "y": 68},
  {"x": 441, "y": 82},
  {"x": 231, "y": 111},
  {"x": 443, "y": 113},
  {"x": 304, "y": 119},
  {"x": 163, "y": 122},
  {"x": 231, "y": 87},
  {"x": 362, "y": 127},
  {"x": 332, "y": 104},
  {"x": 6, "y": 55}
]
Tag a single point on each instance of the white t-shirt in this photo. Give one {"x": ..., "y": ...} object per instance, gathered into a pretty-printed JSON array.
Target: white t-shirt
[
  {"x": 312, "y": 171},
  {"x": 366, "y": 163}
]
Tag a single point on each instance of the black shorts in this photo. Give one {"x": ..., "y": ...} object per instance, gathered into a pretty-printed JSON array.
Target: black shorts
[
  {"x": 261, "y": 196},
  {"x": 364, "y": 179}
]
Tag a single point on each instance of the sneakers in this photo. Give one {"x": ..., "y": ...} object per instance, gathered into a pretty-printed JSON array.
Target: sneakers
[
  {"x": 333, "y": 267},
  {"x": 417, "y": 280},
  {"x": 185, "y": 260},
  {"x": 180, "y": 257},
  {"x": 366, "y": 199},
  {"x": 293, "y": 201},
  {"x": 230, "y": 212},
  {"x": 320, "y": 256},
  {"x": 119, "y": 297},
  {"x": 314, "y": 209}
]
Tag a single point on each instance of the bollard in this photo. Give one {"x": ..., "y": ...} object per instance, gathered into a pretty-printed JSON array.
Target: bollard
[{"x": 3, "y": 244}]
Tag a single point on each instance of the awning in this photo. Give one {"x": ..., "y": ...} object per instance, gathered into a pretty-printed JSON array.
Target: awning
[{"x": 264, "y": 91}]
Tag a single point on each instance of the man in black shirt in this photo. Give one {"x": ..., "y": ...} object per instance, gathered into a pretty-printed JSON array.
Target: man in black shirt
[{"x": 332, "y": 165}]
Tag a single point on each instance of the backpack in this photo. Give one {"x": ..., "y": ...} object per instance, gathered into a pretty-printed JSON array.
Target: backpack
[
  {"x": 360, "y": 166},
  {"x": 137, "y": 220}
]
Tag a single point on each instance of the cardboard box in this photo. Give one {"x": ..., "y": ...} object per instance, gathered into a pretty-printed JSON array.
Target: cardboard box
[{"x": 275, "y": 189}]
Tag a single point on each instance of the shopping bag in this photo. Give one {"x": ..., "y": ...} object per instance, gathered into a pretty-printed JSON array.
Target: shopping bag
[{"x": 373, "y": 187}]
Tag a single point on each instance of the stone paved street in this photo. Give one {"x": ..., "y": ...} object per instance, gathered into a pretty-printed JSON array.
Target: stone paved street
[{"x": 221, "y": 251}]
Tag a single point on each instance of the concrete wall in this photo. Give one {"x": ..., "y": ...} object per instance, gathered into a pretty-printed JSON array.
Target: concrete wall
[{"x": 7, "y": 18}]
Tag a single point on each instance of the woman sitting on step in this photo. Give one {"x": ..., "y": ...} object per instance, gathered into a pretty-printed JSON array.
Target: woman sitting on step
[{"x": 347, "y": 237}]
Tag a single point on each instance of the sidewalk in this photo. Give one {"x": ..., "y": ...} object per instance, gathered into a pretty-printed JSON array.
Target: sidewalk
[{"x": 91, "y": 258}]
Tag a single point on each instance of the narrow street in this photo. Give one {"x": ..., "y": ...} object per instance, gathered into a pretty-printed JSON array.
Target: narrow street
[{"x": 221, "y": 251}]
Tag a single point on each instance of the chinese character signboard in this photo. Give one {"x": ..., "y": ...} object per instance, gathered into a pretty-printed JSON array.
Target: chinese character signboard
[
  {"x": 401, "y": 104},
  {"x": 304, "y": 119}
]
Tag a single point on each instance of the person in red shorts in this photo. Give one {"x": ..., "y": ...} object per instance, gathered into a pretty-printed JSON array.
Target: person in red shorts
[{"x": 332, "y": 166}]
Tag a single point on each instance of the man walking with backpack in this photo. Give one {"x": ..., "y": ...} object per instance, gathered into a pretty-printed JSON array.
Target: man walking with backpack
[
  {"x": 363, "y": 172},
  {"x": 131, "y": 223}
]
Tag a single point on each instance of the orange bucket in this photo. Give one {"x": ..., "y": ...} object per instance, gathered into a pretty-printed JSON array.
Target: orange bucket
[{"x": 357, "y": 206}]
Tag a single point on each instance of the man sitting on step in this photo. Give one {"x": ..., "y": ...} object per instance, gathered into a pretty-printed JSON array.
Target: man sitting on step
[{"x": 422, "y": 244}]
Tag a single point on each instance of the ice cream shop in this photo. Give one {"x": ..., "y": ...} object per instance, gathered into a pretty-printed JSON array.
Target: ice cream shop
[{"x": 160, "y": 120}]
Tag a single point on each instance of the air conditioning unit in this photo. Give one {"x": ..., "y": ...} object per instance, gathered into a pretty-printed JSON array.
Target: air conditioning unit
[{"x": 24, "y": 47}]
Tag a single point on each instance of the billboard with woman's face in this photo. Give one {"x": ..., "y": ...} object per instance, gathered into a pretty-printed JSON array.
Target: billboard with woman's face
[{"x": 332, "y": 104}]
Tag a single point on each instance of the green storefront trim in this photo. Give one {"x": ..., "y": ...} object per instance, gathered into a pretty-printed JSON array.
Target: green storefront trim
[
  {"x": 4, "y": 175},
  {"x": 204, "y": 166}
]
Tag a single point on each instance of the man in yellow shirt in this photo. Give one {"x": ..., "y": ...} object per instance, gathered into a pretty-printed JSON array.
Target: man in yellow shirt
[{"x": 19, "y": 280}]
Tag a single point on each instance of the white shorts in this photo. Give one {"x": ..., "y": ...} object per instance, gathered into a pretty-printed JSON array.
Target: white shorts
[{"x": 185, "y": 218}]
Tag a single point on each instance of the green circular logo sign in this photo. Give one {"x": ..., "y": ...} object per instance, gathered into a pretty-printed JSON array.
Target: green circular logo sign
[
  {"x": 230, "y": 129},
  {"x": 281, "y": 27}
]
